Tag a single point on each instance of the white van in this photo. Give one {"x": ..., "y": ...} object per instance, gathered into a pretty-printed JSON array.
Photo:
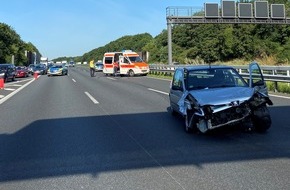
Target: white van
[{"x": 127, "y": 63}]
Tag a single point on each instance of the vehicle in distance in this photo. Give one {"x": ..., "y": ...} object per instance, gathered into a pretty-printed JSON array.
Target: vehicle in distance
[
  {"x": 99, "y": 66},
  {"x": 30, "y": 68},
  {"x": 22, "y": 71},
  {"x": 39, "y": 69},
  {"x": 71, "y": 64},
  {"x": 210, "y": 97},
  {"x": 59, "y": 69},
  {"x": 8, "y": 71}
]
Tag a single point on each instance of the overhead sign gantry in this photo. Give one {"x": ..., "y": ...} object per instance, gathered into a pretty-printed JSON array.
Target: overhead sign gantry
[{"x": 230, "y": 12}]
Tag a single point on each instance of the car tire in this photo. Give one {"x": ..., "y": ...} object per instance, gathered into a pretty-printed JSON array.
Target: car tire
[
  {"x": 131, "y": 73},
  {"x": 172, "y": 111},
  {"x": 188, "y": 122},
  {"x": 261, "y": 119}
]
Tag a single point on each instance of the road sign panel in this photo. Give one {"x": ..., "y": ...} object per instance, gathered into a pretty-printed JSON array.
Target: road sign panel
[
  {"x": 278, "y": 11},
  {"x": 261, "y": 9},
  {"x": 228, "y": 9},
  {"x": 211, "y": 10},
  {"x": 245, "y": 10}
]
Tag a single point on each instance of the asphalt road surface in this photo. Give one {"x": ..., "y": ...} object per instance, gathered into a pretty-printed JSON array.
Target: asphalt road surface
[{"x": 82, "y": 132}]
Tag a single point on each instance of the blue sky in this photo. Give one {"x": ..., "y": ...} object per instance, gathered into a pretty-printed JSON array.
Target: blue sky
[{"x": 74, "y": 27}]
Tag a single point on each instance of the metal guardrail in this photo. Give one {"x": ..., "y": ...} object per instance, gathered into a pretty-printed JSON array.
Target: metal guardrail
[{"x": 271, "y": 73}]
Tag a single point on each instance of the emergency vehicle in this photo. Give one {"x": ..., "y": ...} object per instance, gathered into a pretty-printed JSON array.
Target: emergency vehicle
[{"x": 126, "y": 62}]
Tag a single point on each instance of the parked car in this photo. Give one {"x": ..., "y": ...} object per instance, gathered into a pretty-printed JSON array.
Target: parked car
[
  {"x": 99, "y": 66},
  {"x": 57, "y": 70},
  {"x": 30, "y": 69},
  {"x": 39, "y": 69},
  {"x": 8, "y": 70},
  {"x": 210, "y": 97},
  {"x": 22, "y": 71}
]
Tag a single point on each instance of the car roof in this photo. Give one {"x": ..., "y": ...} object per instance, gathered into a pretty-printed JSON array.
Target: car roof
[{"x": 203, "y": 67}]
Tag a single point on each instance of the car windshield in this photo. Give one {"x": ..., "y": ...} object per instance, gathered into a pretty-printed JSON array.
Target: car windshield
[
  {"x": 135, "y": 59},
  {"x": 39, "y": 66},
  {"x": 56, "y": 66},
  {"x": 214, "y": 78},
  {"x": 3, "y": 68}
]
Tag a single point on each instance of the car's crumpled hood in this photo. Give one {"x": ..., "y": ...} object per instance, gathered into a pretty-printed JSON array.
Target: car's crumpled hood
[{"x": 219, "y": 96}]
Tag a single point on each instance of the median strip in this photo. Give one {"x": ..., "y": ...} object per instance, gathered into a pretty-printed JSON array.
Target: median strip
[{"x": 92, "y": 98}]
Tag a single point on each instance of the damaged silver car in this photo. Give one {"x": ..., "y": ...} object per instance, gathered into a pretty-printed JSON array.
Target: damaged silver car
[{"x": 210, "y": 97}]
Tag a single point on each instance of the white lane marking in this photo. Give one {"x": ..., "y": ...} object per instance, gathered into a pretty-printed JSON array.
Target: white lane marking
[
  {"x": 158, "y": 78},
  {"x": 161, "y": 92},
  {"x": 92, "y": 98},
  {"x": 279, "y": 96},
  {"x": 16, "y": 85},
  {"x": 111, "y": 78},
  {"x": 13, "y": 93},
  {"x": 2, "y": 96},
  {"x": 74, "y": 80},
  {"x": 9, "y": 89}
]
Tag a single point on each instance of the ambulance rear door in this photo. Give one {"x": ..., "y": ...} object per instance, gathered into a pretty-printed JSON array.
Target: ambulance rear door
[{"x": 108, "y": 63}]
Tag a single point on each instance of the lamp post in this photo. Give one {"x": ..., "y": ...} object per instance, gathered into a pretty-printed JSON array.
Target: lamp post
[{"x": 34, "y": 58}]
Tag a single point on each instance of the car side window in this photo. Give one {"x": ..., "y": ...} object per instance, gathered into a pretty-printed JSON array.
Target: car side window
[{"x": 177, "y": 83}]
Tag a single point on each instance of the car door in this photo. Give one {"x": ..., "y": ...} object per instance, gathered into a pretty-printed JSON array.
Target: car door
[
  {"x": 177, "y": 89},
  {"x": 257, "y": 79}
]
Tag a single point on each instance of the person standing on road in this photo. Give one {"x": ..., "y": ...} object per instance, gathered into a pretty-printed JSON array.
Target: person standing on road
[
  {"x": 92, "y": 68},
  {"x": 116, "y": 67}
]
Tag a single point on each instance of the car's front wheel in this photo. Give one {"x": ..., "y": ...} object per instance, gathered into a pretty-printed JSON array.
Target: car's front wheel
[
  {"x": 189, "y": 122},
  {"x": 131, "y": 73},
  {"x": 261, "y": 119}
]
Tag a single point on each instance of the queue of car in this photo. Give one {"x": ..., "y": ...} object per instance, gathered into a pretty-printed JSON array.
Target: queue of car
[{"x": 9, "y": 71}]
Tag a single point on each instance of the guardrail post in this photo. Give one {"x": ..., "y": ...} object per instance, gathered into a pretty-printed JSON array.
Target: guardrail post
[{"x": 275, "y": 86}]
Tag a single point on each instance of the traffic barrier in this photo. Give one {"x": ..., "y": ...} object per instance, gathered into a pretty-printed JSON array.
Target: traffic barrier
[
  {"x": 2, "y": 80},
  {"x": 1, "y": 83},
  {"x": 35, "y": 75}
]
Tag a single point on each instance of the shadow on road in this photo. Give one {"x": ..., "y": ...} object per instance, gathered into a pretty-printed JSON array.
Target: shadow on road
[{"x": 91, "y": 145}]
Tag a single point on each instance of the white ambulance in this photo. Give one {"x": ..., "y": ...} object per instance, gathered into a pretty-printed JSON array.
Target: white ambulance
[{"x": 126, "y": 62}]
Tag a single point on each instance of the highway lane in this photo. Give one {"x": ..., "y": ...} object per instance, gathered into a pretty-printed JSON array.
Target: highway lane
[{"x": 56, "y": 137}]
